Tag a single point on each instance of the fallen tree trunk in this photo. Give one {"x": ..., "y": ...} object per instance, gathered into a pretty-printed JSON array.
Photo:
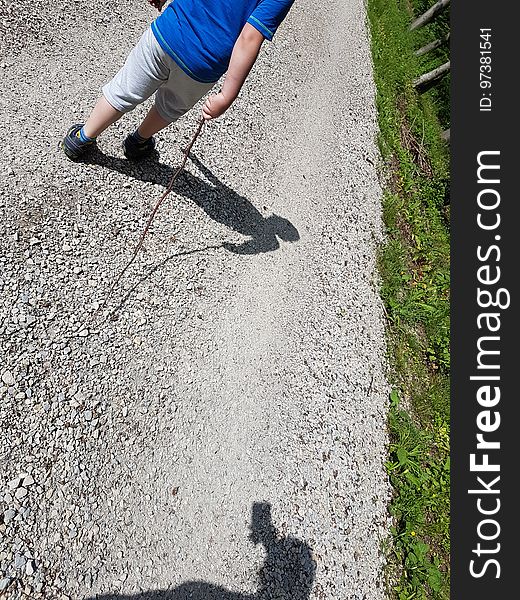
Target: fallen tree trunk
[
  {"x": 429, "y": 15},
  {"x": 426, "y": 81},
  {"x": 432, "y": 45}
]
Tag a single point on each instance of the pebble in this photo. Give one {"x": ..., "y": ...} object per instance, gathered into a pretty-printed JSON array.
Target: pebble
[
  {"x": 8, "y": 379},
  {"x": 30, "y": 568},
  {"x": 9, "y": 515},
  {"x": 14, "y": 483},
  {"x": 28, "y": 480},
  {"x": 19, "y": 561},
  {"x": 20, "y": 493}
]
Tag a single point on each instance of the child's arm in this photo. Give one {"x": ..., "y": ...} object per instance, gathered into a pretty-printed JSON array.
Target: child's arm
[{"x": 243, "y": 58}]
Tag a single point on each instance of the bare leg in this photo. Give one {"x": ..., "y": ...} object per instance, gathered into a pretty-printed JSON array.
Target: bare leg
[
  {"x": 102, "y": 115},
  {"x": 152, "y": 123}
]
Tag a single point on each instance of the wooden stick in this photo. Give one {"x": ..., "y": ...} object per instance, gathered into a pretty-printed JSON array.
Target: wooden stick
[
  {"x": 146, "y": 227},
  {"x": 428, "y": 79},
  {"x": 429, "y": 15},
  {"x": 432, "y": 45}
]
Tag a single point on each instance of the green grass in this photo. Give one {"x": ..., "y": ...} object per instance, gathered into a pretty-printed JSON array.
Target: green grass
[{"x": 414, "y": 265}]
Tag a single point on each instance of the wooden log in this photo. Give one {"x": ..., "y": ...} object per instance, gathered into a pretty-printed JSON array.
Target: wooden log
[
  {"x": 432, "y": 45},
  {"x": 429, "y": 15},
  {"x": 426, "y": 81}
]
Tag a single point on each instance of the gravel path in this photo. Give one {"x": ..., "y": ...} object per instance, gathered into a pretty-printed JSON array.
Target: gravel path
[{"x": 223, "y": 436}]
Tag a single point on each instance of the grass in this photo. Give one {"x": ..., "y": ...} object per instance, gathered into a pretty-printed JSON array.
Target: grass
[{"x": 414, "y": 265}]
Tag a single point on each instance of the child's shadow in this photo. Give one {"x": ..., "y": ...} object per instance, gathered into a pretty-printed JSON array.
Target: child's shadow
[
  {"x": 218, "y": 200},
  {"x": 288, "y": 570}
]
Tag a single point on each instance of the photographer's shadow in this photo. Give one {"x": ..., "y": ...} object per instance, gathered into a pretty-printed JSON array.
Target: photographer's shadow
[
  {"x": 288, "y": 570},
  {"x": 218, "y": 201}
]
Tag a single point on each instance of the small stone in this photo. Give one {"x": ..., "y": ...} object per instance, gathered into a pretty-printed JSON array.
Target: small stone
[
  {"x": 19, "y": 561},
  {"x": 88, "y": 415},
  {"x": 80, "y": 397},
  {"x": 4, "y": 583},
  {"x": 83, "y": 333},
  {"x": 8, "y": 379},
  {"x": 9, "y": 515},
  {"x": 30, "y": 568},
  {"x": 28, "y": 480},
  {"x": 20, "y": 493},
  {"x": 14, "y": 483}
]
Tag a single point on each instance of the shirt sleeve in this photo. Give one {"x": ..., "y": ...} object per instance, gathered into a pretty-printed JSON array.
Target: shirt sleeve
[{"x": 268, "y": 15}]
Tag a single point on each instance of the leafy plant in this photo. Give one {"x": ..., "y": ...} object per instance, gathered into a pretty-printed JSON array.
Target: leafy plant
[{"x": 414, "y": 264}]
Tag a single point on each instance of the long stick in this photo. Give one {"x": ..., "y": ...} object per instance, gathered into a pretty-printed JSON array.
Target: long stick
[
  {"x": 147, "y": 226},
  {"x": 430, "y": 14},
  {"x": 428, "y": 79}
]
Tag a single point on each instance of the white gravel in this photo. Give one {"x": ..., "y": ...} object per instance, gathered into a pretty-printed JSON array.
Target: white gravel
[{"x": 246, "y": 362}]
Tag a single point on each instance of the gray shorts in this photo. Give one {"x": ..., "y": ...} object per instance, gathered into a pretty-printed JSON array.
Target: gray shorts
[{"x": 149, "y": 69}]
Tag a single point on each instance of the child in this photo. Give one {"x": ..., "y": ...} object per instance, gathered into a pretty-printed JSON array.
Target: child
[{"x": 180, "y": 57}]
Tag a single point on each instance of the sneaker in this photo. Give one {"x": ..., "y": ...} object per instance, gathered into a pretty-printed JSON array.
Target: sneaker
[
  {"x": 72, "y": 145},
  {"x": 135, "y": 149}
]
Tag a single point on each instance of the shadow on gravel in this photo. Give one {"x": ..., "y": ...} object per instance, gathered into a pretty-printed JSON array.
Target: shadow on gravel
[
  {"x": 216, "y": 199},
  {"x": 287, "y": 574}
]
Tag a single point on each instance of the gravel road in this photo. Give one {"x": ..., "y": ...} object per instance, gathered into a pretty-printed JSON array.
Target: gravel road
[{"x": 222, "y": 435}]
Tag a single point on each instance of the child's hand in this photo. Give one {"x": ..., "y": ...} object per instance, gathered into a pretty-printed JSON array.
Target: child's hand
[
  {"x": 215, "y": 105},
  {"x": 158, "y": 4}
]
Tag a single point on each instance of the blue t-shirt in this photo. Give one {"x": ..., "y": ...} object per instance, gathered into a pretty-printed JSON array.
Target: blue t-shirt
[{"x": 200, "y": 34}]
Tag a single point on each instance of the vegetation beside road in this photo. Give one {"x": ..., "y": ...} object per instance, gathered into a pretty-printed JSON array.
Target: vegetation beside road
[{"x": 414, "y": 266}]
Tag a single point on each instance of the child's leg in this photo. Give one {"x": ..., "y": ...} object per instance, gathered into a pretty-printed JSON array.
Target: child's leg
[
  {"x": 102, "y": 115},
  {"x": 144, "y": 71},
  {"x": 141, "y": 142},
  {"x": 152, "y": 123},
  {"x": 142, "y": 74},
  {"x": 172, "y": 100}
]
